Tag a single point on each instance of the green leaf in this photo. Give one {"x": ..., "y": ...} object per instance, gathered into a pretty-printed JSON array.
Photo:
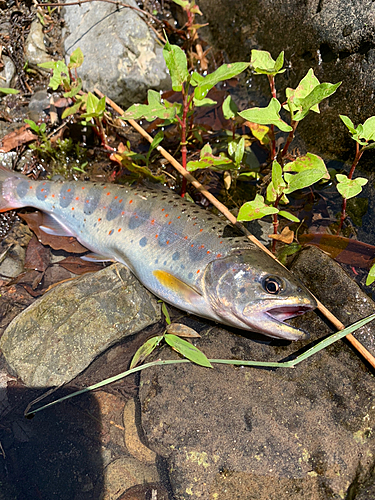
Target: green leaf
[
  {"x": 267, "y": 116},
  {"x": 278, "y": 182},
  {"x": 72, "y": 110},
  {"x": 230, "y": 108},
  {"x": 308, "y": 170},
  {"x": 239, "y": 152},
  {"x": 368, "y": 130},
  {"x": 289, "y": 216},
  {"x": 182, "y": 3},
  {"x": 205, "y": 83},
  {"x": 371, "y": 276},
  {"x": 59, "y": 68},
  {"x": 154, "y": 109},
  {"x": 204, "y": 102},
  {"x": 155, "y": 143},
  {"x": 320, "y": 92},
  {"x": 255, "y": 209},
  {"x": 263, "y": 64},
  {"x": 176, "y": 62},
  {"x": 145, "y": 350},
  {"x": 347, "y": 121},
  {"x": 75, "y": 89},
  {"x": 32, "y": 125},
  {"x": 348, "y": 188},
  {"x": 304, "y": 88},
  {"x": 208, "y": 160},
  {"x": 6, "y": 90},
  {"x": 76, "y": 59},
  {"x": 187, "y": 350}
]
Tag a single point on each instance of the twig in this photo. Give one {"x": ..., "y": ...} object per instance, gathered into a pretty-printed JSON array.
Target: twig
[{"x": 223, "y": 209}]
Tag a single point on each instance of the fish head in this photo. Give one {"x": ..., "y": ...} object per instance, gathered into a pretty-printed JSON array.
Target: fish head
[{"x": 248, "y": 289}]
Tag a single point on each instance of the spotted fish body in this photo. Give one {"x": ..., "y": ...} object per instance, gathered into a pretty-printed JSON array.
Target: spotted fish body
[{"x": 176, "y": 249}]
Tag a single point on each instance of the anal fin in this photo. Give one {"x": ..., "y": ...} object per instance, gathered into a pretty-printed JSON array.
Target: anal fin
[{"x": 186, "y": 292}]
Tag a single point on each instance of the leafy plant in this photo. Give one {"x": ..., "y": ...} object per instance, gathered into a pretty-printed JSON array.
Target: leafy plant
[{"x": 6, "y": 90}]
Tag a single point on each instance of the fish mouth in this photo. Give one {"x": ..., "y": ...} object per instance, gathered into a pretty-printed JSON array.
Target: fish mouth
[{"x": 283, "y": 313}]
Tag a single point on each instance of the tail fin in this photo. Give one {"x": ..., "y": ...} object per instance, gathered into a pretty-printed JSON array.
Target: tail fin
[{"x": 6, "y": 175}]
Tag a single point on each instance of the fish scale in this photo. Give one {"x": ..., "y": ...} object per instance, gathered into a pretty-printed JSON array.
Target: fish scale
[{"x": 176, "y": 249}]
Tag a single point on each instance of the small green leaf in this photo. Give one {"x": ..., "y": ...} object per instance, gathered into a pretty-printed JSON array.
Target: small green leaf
[
  {"x": 203, "y": 102},
  {"x": 155, "y": 143},
  {"x": 320, "y": 92},
  {"x": 76, "y": 59},
  {"x": 145, "y": 350},
  {"x": 59, "y": 68},
  {"x": 6, "y": 90},
  {"x": 255, "y": 209},
  {"x": 371, "y": 276},
  {"x": 176, "y": 62},
  {"x": 289, "y": 216},
  {"x": 208, "y": 160},
  {"x": 205, "y": 83},
  {"x": 154, "y": 109},
  {"x": 278, "y": 182},
  {"x": 75, "y": 89},
  {"x": 238, "y": 155},
  {"x": 347, "y": 121},
  {"x": 230, "y": 108},
  {"x": 187, "y": 350},
  {"x": 32, "y": 125},
  {"x": 164, "y": 310},
  {"x": 368, "y": 131},
  {"x": 183, "y": 3},
  {"x": 308, "y": 170},
  {"x": 267, "y": 116},
  {"x": 304, "y": 88},
  {"x": 72, "y": 110},
  {"x": 348, "y": 188},
  {"x": 263, "y": 64}
]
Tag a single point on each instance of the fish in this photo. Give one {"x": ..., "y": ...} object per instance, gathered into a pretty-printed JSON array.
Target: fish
[{"x": 176, "y": 249}]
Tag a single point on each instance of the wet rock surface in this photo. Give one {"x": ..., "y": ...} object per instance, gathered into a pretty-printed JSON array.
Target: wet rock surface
[
  {"x": 122, "y": 57},
  {"x": 334, "y": 37},
  {"x": 60, "y": 334}
]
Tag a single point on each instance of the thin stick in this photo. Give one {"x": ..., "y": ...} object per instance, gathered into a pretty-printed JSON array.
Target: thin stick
[{"x": 223, "y": 209}]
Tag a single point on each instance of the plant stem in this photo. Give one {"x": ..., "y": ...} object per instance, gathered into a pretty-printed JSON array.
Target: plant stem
[
  {"x": 271, "y": 80},
  {"x": 290, "y": 138},
  {"x": 186, "y": 101},
  {"x": 275, "y": 222},
  {"x": 358, "y": 154}
]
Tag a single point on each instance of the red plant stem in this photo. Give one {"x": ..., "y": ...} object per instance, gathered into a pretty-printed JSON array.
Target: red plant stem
[
  {"x": 271, "y": 79},
  {"x": 183, "y": 125},
  {"x": 275, "y": 222},
  {"x": 290, "y": 138},
  {"x": 358, "y": 154}
]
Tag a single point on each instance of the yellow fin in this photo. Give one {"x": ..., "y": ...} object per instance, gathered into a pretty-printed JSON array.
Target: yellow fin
[{"x": 187, "y": 292}]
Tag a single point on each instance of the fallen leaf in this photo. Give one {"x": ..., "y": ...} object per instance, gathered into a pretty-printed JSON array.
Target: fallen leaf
[
  {"x": 37, "y": 256},
  {"x": 286, "y": 236},
  {"x": 16, "y": 138}
]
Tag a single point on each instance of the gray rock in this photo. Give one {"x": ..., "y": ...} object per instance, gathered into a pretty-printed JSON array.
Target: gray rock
[
  {"x": 58, "y": 336},
  {"x": 36, "y": 52},
  {"x": 122, "y": 57},
  {"x": 7, "y": 73},
  {"x": 38, "y": 105},
  {"x": 302, "y": 433},
  {"x": 335, "y": 38},
  {"x": 327, "y": 280}
]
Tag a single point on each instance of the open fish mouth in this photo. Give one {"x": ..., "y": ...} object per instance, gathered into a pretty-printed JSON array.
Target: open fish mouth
[{"x": 284, "y": 313}]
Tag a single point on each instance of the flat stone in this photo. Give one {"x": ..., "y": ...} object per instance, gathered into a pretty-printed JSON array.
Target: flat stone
[
  {"x": 122, "y": 57},
  {"x": 36, "y": 52},
  {"x": 8, "y": 72},
  {"x": 59, "y": 335}
]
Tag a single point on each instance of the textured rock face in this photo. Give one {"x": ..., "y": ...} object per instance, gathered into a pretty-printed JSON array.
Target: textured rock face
[
  {"x": 59, "y": 335},
  {"x": 336, "y": 38},
  {"x": 122, "y": 58}
]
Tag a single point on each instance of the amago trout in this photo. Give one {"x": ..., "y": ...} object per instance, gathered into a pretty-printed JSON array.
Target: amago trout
[{"x": 176, "y": 249}]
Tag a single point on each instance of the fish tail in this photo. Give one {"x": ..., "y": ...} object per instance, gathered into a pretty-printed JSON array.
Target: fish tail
[{"x": 6, "y": 177}]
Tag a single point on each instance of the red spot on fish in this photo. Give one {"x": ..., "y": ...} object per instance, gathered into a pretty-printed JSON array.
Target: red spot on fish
[
  {"x": 45, "y": 196},
  {"x": 218, "y": 255},
  {"x": 104, "y": 207},
  {"x": 83, "y": 187},
  {"x": 179, "y": 217},
  {"x": 43, "y": 184},
  {"x": 30, "y": 187},
  {"x": 105, "y": 187},
  {"x": 99, "y": 219},
  {"x": 116, "y": 197},
  {"x": 108, "y": 194},
  {"x": 169, "y": 223},
  {"x": 185, "y": 238},
  {"x": 192, "y": 245},
  {"x": 200, "y": 230},
  {"x": 77, "y": 198},
  {"x": 87, "y": 201},
  {"x": 162, "y": 209},
  {"x": 195, "y": 223},
  {"x": 198, "y": 271},
  {"x": 120, "y": 201},
  {"x": 72, "y": 208},
  {"x": 119, "y": 230},
  {"x": 202, "y": 246},
  {"x": 68, "y": 190},
  {"x": 152, "y": 222},
  {"x": 122, "y": 213},
  {"x": 53, "y": 196},
  {"x": 166, "y": 215},
  {"x": 208, "y": 251},
  {"x": 220, "y": 242},
  {"x": 42, "y": 190},
  {"x": 167, "y": 242},
  {"x": 63, "y": 197},
  {"x": 156, "y": 235},
  {"x": 131, "y": 201}
]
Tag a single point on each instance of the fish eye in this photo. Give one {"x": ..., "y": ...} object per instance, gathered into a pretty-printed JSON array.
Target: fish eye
[{"x": 272, "y": 285}]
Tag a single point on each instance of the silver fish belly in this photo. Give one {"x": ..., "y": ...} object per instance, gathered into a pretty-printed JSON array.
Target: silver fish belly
[{"x": 176, "y": 249}]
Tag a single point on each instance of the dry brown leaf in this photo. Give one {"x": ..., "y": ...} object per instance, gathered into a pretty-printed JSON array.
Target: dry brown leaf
[
  {"x": 286, "y": 236},
  {"x": 17, "y": 138}
]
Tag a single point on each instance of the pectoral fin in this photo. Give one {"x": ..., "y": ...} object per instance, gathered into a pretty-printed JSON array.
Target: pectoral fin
[
  {"x": 186, "y": 292},
  {"x": 94, "y": 257},
  {"x": 53, "y": 227}
]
